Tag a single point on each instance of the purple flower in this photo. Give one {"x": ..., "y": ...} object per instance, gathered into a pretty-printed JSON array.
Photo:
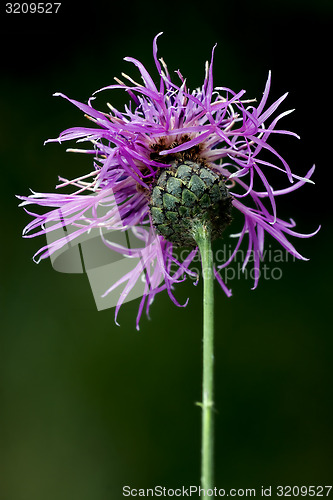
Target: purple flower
[{"x": 214, "y": 135}]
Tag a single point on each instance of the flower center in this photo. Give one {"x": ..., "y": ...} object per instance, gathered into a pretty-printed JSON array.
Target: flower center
[{"x": 187, "y": 193}]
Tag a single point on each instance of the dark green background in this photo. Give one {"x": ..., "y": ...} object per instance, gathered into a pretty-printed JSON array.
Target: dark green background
[{"x": 86, "y": 406}]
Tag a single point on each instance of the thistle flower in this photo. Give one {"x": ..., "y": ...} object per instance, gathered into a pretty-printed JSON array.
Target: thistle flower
[{"x": 171, "y": 158}]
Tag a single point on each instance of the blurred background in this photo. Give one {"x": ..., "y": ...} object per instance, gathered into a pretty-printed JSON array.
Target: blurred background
[{"x": 88, "y": 407}]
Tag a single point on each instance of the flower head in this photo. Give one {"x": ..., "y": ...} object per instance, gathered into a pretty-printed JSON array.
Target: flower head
[{"x": 172, "y": 155}]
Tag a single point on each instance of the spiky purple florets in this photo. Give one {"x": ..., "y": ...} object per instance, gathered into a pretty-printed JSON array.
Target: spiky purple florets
[{"x": 216, "y": 128}]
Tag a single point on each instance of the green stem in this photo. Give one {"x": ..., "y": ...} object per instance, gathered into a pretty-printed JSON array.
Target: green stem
[{"x": 203, "y": 239}]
